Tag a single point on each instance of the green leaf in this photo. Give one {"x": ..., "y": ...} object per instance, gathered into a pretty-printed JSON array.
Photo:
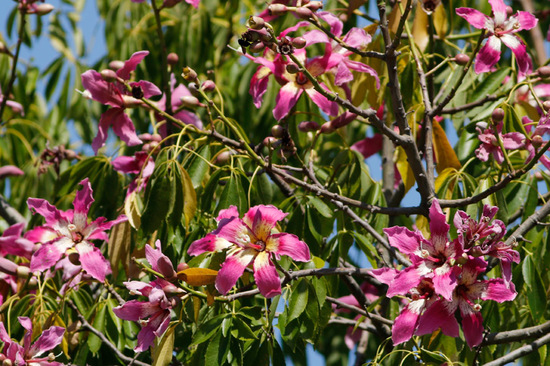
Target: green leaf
[
  {"x": 217, "y": 350},
  {"x": 198, "y": 166},
  {"x": 298, "y": 300},
  {"x": 159, "y": 197},
  {"x": 162, "y": 353},
  {"x": 491, "y": 83},
  {"x": 207, "y": 330},
  {"x": 99, "y": 323},
  {"x": 320, "y": 206},
  {"x": 241, "y": 330},
  {"x": 233, "y": 194},
  {"x": 536, "y": 294}
]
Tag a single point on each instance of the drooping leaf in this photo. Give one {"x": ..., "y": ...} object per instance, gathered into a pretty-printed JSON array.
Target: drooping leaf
[{"x": 198, "y": 276}]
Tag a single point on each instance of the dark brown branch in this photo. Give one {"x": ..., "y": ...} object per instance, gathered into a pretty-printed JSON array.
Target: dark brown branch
[
  {"x": 520, "y": 352},
  {"x": 355, "y": 309},
  {"x": 103, "y": 338},
  {"x": 465, "y": 107},
  {"x": 529, "y": 223},
  {"x": 517, "y": 335}
]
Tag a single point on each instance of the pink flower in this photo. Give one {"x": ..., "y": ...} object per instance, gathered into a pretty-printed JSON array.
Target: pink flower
[
  {"x": 30, "y": 354},
  {"x": 183, "y": 115},
  {"x": 251, "y": 240},
  {"x": 116, "y": 95},
  {"x": 162, "y": 297},
  {"x": 65, "y": 230},
  {"x": 433, "y": 258},
  {"x": 465, "y": 295},
  {"x": 500, "y": 29},
  {"x": 490, "y": 144},
  {"x": 141, "y": 163},
  {"x": 339, "y": 56},
  {"x": 542, "y": 128},
  {"x": 12, "y": 242}
]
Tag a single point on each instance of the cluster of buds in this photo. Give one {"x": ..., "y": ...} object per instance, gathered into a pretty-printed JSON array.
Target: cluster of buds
[
  {"x": 30, "y": 7},
  {"x": 304, "y": 9},
  {"x": 54, "y": 157},
  {"x": 281, "y": 140}
]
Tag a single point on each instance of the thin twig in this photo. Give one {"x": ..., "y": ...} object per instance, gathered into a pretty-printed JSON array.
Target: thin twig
[
  {"x": 103, "y": 338},
  {"x": 520, "y": 352}
]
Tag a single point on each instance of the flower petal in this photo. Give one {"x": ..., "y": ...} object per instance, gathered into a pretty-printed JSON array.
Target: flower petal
[
  {"x": 488, "y": 56},
  {"x": 403, "y": 239},
  {"x": 404, "y": 282},
  {"x": 101, "y": 90},
  {"x": 261, "y": 219},
  {"x": 499, "y": 11},
  {"x": 406, "y": 322},
  {"x": 288, "y": 244},
  {"x": 498, "y": 290},
  {"x": 286, "y": 99},
  {"x": 438, "y": 315},
  {"x": 368, "y": 146},
  {"x": 233, "y": 268},
  {"x": 48, "y": 255},
  {"x": 48, "y": 340},
  {"x": 472, "y": 326},
  {"x": 93, "y": 262},
  {"x": 82, "y": 202},
  {"x": 438, "y": 227},
  {"x": 131, "y": 64},
  {"x": 474, "y": 17},
  {"x": 327, "y": 106},
  {"x": 210, "y": 243},
  {"x": 266, "y": 276},
  {"x": 134, "y": 310},
  {"x": 525, "y": 64}
]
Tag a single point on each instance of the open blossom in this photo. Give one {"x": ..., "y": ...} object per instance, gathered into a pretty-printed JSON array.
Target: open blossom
[
  {"x": 431, "y": 258},
  {"x": 30, "y": 354},
  {"x": 177, "y": 93},
  {"x": 141, "y": 163},
  {"x": 490, "y": 144},
  {"x": 116, "y": 95},
  {"x": 69, "y": 231},
  {"x": 251, "y": 240},
  {"x": 155, "y": 313},
  {"x": 465, "y": 296},
  {"x": 500, "y": 29}
]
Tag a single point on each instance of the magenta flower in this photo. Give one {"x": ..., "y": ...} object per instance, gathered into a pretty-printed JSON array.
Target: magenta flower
[
  {"x": 490, "y": 144},
  {"x": 339, "y": 56},
  {"x": 162, "y": 297},
  {"x": 69, "y": 231},
  {"x": 141, "y": 163},
  {"x": 30, "y": 354},
  {"x": 12, "y": 242},
  {"x": 536, "y": 138},
  {"x": 251, "y": 240},
  {"x": 500, "y": 29},
  {"x": 465, "y": 295},
  {"x": 433, "y": 258},
  {"x": 116, "y": 95}
]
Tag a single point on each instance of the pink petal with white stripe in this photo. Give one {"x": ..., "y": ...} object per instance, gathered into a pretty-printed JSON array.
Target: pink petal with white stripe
[
  {"x": 47, "y": 341},
  {"x": 82, "y": 202},
  {"x": 210, "y": 243},
  {"x": 49, "y": 254},
  {"x": 404, "y": 282},
  {"x": 51, "y": 214},
  {"x": 134, "y": 310},
  {"x": 499, "y": 11},
  {"x": 405, "y": 324},
  {"x": 406, "y": 241},
  {"x": 266, "y": 276},
  {"x": 232, "y": 269},
  {"x": 525, "y": 64},
  {"x": 228, "y": 213},
  {"x": 526, "y": 21},
  {"x": 261, "y": 219},
  {"x": 488, "y": 56},
  {"x": 327, "y": 106}
]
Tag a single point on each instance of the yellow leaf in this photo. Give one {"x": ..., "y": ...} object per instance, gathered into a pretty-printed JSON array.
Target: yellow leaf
[
  {"x": 132, "y": 211},
  {"x": 404, "y": 168},
  {"x": 440, "y": 21},
  {"x": 190, "y": 197},
  {"x": 423, "y": 225},
  {"x": 119, "y": 247},
  {"x": 394, "y": 18},
  {"x": 196, "y": 308},
  {"x": 162, "y": 353},
  {"x": 444, "y": 152},
  {"x": 420, "y": 28},
  {"x": 444, "y": 177},
  {"x": 198, "y": 276}
]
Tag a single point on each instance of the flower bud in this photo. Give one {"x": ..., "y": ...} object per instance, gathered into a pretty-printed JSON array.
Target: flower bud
[
  {"x": 108, "y": 75},
  {"x": 497, "y": 115},
  {"x": 116, "y": 65},
  {"x": 343, "y": 120},
  {"x": 170, "y": 3},
  {"x": 208, "y": 86},
  {"x": 269, "y": 140},
  {"x": 190, "y": 101},
  {"x": 74, "y": 257},
  {"x": 193, "y": 88},
  {"x": 462, "y": 59},
  {"x": 303, "y": 13},
  {"x": 327, "y": 128},
  {"x": 172, "y": 58},
  {"x": 256, "y": 47},
  {"x": 537, "y": 141},
  {"x": 182, "y": 266},
  {"x": 307, "y": 126},
  {"x": 43, "y": 9},
  {"x": 546, "y": 105},
  {"x": 482, "y": 125},
  {"x": 543, "y": 71},
  {"x": 165, "y": 267},
  {"x": 8, "y": 267},
  {"x": 314, "y": 5},
  {"x": 299, "y": 42},
  {"x": 23, "y": 271},
  {"x": 509, "y": 11},
  {"x": 4, "y": 49},
  {"x": 277, "y": 9},
  {"x": 278, "y": 131},
  {"x": 292, "y": 68},
  {"x": 255, "y": 22},
  {"x": 7, "y": 362},
  {"x": 189, "y": 74},
  {"x": 33, "y": 283}
]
